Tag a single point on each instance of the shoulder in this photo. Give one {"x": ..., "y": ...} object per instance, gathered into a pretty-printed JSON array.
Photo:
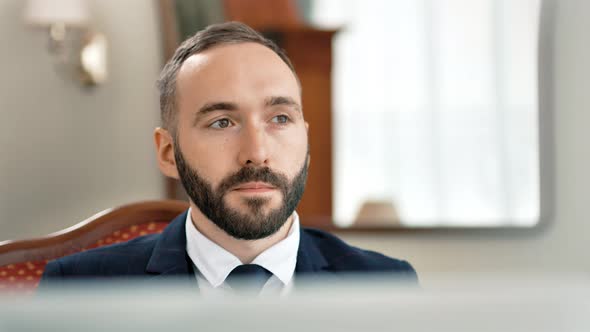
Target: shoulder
[
  {"x": 342, "y": 257},
  {"x": 126, "y": 258}
]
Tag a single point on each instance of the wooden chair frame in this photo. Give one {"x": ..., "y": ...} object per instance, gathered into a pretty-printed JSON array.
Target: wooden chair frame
[{"x": 87, "y": 232}]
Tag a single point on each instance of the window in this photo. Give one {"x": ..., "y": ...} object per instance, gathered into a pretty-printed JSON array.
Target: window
[{"x": 435, "y": 111}]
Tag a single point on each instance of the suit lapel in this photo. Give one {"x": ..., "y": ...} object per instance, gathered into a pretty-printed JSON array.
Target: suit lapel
[
  {"x": 309, "y": 257},
  {"x": 169, "y": 256}
]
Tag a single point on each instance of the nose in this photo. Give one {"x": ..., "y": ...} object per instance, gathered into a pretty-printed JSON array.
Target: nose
[{"x": 253, "y": 146}]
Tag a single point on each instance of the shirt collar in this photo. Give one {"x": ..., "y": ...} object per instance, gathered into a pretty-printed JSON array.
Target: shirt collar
[{"x": 215, "y": 263}]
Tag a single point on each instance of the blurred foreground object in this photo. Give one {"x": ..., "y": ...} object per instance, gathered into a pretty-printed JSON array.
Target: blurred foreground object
[
  {"x": 319, "y": 305},
  {"x": 75, "y": 47}
]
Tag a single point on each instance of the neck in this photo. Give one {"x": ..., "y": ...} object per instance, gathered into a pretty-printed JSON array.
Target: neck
[{"x": 244, "y": 250}]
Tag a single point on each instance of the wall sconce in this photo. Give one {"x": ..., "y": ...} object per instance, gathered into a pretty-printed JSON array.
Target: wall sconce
[{"x": 78, "y": 51}]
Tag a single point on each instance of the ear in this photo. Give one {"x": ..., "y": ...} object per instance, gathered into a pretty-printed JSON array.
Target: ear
[
  {"x": 307, "y": 127},
  {"x": 165, "y": 152}
]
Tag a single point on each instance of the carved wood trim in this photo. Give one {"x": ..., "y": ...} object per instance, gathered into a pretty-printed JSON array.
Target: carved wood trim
[{"x": 87, "y": 232}]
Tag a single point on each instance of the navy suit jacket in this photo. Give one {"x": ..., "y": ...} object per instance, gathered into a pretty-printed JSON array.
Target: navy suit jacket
[{"x": 164, "y": 255}]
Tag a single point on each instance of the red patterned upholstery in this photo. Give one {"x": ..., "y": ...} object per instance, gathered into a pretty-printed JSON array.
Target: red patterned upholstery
[
  {"x": 22, "y": 277},
  {"x": 25, "y": 276}
]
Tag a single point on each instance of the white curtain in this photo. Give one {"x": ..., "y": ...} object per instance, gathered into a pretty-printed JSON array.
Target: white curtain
[{"x": 435, "y": 109}]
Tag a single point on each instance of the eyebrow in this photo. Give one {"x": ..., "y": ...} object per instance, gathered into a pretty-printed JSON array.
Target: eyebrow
[
  {"x": 281, "y": 100},
  {"x": 215, "y": 106}
]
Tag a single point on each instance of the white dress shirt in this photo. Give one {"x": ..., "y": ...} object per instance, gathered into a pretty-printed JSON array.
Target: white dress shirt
[{"x": 212, "y": 263}]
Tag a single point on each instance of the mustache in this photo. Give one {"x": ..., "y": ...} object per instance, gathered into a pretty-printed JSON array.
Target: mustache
[{"x": 252, "y": 174}]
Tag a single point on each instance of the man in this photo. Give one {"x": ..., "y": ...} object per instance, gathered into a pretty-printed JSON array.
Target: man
[{"x": 234, "y": 134}]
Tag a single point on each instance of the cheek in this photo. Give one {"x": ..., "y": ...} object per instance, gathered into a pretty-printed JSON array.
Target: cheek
[
  {"x": 293, "y": 153},
  {"x": 210, "y": 159}
]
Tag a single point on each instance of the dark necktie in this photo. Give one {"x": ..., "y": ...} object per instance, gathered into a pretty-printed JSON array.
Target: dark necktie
[{"x": 249, "y": 277}]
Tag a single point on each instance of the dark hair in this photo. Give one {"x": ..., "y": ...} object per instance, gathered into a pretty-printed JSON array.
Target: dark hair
[{"x": 213, "y": 35}]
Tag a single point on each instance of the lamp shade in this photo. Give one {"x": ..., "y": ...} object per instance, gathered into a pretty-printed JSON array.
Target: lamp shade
[
  {"x": 377, "y": 213},
  {"x": 49, "y": 12}
]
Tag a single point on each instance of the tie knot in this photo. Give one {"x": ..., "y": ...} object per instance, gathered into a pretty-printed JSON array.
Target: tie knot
[{"x": 250, "y": 276}]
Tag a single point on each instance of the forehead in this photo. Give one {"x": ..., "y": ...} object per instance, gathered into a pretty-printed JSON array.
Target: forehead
[{"x": 241, "y": 73}]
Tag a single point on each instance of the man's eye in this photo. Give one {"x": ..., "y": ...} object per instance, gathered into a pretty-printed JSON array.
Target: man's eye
[
  {"x": 282, "y": 119},
  {"x": 220, "y": 124}
]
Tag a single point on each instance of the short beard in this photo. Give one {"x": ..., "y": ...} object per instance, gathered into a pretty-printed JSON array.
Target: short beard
[{"x": 255, "y": 225}]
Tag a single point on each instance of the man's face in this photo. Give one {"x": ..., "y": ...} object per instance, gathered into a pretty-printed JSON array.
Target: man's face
[{"x": 241, "y": 146}]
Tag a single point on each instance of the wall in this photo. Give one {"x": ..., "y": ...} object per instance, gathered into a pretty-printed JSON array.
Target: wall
[
  {"x": 561, "y": 246},
  {"x": 67, "y": 152}
]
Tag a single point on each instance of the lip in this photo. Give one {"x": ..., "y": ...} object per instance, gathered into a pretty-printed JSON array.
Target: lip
[{"x": 255, "y": 187}]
